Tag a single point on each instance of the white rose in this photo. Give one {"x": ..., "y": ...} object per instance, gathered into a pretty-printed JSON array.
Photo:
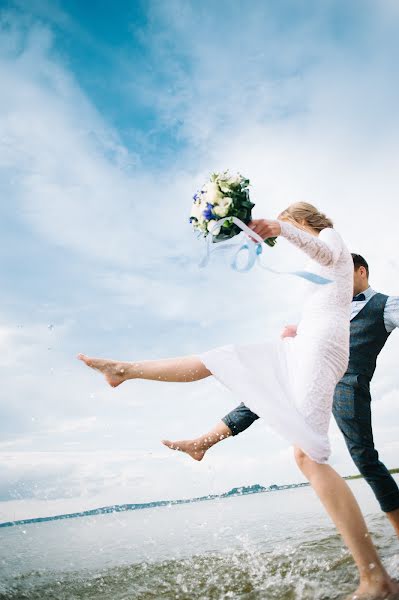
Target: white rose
[
  {"x": 222, "y": 207},
  {"x": 212, "y": 227},
  {"x": 213, "y": 192},
  {"x": 201, "y": 226},
  {"x": 220, "y": 211},
  {"x": 196, "y": 210},
  {"x": 235, "y": 180}
]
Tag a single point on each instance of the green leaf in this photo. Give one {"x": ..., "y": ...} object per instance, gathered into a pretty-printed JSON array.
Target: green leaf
[{"x": 247, "y": 204}]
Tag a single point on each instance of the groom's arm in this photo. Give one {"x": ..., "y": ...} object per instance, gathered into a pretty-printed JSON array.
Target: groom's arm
[{"x": 391, "y": 313}]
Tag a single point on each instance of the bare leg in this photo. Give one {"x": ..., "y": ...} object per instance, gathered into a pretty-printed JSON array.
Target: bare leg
[
  {"x": 343, "y": 509},
  {"x": 196, "y": 448},
  {"x": 393, "y": 516},
  {"x": 183, "y": 369}
]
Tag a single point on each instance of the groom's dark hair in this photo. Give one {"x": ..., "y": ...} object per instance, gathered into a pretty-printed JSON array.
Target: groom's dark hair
[{"x": 359, "y": 261}]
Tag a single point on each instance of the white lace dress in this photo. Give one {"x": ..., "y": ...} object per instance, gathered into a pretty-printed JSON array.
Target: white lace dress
[{"x": 290, "y": 382}]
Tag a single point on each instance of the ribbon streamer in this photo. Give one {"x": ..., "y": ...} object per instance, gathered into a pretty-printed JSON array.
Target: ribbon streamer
[{"x": 254, "y": 250}]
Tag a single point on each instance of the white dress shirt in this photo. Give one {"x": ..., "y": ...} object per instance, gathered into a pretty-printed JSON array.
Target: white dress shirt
[{"x": 391, "y": 311}]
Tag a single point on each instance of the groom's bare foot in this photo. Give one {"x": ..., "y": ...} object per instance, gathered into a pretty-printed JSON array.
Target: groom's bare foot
[
  {"x": 114, "y": 372},
  {"x": 190, "y": 447}
]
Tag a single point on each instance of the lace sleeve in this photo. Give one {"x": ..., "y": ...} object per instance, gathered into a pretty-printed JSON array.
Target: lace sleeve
[{"x": 324, "y": 249}]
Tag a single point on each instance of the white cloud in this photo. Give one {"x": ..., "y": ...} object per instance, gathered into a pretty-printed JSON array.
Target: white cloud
[{"x": 68, "y": 173}]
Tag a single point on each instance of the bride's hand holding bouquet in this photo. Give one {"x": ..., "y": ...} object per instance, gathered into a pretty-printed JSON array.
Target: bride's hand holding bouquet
[{"x": 265, "y": 228}]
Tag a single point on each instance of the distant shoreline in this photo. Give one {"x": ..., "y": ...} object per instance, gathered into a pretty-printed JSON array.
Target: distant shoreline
[{"x": 238, "y": 491}]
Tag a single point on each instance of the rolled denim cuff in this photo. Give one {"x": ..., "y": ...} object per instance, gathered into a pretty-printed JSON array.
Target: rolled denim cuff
[
  {"x": 389, "y": 502},
  {"x": 227, "y": 420},
  {"x": 239, "y": 419}
]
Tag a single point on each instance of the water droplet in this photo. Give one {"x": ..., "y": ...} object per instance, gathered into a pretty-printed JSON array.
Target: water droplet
[{"x": 372, "y": 566}]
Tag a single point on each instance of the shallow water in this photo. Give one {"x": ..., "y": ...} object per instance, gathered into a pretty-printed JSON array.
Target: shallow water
[{"x": 272, "y": 545}]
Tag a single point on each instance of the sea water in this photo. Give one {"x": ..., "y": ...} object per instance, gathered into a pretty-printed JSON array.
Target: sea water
[{"x": 277, "y": 545}]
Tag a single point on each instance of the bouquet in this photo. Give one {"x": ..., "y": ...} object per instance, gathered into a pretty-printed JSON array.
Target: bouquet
[{"x": 222, "y": 196}]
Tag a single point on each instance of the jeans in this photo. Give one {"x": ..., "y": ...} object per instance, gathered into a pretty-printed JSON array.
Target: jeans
[
  {"x": 239, "y": 419},
  {"x": 351, "y": 409}
]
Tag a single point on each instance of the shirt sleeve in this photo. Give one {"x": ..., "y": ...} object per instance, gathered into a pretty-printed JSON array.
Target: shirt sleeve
[
  {"x": 391, "y": 313},
  {"x": 324, "y": 249}
]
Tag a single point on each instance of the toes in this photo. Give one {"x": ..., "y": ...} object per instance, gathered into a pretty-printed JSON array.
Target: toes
[
  {"x": 169, "y": 444},
  {"x": 84, "y": 359}
]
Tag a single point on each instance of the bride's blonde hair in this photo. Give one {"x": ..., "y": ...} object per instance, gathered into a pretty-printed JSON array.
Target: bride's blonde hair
[{"x": 303, "y": 211}]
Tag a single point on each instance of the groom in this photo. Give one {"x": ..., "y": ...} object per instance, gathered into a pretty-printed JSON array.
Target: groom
[{"x": 374, "y": 316}]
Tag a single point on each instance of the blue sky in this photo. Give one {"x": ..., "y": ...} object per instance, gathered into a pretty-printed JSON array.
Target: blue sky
[{"x": 111, "y": 116}]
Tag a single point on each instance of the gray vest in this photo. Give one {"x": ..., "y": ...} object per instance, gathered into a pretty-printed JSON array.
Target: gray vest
[{"x": 368, "y": 337}]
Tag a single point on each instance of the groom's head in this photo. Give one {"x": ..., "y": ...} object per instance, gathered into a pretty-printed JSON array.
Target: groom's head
[{"x": 360, "y": 275}]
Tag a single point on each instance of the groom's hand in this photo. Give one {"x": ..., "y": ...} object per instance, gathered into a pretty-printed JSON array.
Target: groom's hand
[
  {"x": 265, "y": 228},
  {"x": 289, "y": 331}
]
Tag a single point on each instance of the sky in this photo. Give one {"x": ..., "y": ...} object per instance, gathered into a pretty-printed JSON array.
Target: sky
[{"x": 111, "y": 116}]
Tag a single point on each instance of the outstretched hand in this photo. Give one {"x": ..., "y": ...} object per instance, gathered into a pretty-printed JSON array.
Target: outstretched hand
[
  {"x": 265, "y": 228},
  {"x": 289, "y": 331}
]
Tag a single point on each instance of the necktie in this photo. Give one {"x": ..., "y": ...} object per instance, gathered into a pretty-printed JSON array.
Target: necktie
[{"x": 359, "y": 298}]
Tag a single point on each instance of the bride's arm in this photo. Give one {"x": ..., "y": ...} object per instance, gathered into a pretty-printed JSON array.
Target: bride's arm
[{"x": 324, "y": 249}]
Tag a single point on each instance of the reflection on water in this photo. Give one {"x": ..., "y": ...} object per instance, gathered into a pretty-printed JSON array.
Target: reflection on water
[{"x": 275, "y": 545}]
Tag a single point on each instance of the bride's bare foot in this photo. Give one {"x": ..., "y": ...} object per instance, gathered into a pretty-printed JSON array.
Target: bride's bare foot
[
  {"x": 386, "y": 590},
  {"x": 190, "y": 447},
  {"x": 114, "y": 372}
]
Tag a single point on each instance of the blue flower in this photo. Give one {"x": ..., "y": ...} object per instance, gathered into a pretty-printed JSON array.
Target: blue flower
[{"x": 208, "y": 214}]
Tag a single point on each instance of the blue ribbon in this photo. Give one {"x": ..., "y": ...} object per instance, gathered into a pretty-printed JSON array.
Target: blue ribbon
[{"x": 253, "y": 250}]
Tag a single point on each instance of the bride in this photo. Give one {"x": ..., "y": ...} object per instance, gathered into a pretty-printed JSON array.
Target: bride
[{"x": 290, "y": 382}]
